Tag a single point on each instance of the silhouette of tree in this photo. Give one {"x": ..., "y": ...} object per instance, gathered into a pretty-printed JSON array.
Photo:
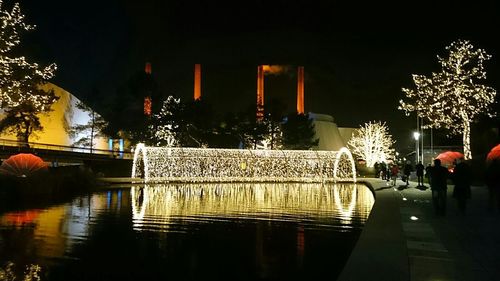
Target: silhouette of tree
[
  {"x": 94, "y": 128},
  {"x": 298, "y": 132}
]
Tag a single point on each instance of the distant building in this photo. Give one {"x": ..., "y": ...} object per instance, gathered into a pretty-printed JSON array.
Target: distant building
[
  {"x": 330, "y": 136},
  {"x": 57, "y": 122}
]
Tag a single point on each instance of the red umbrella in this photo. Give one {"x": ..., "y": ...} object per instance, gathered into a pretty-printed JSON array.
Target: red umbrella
[
  {"x": 448, "y": 157},
  {"x": 22, "y": 165},
  {"x": 494, "y": 153}
]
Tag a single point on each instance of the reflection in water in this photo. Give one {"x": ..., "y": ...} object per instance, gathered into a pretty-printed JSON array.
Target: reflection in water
[
  {"x": 192, "y": 231},
  {"x": 158, "y": 204},
  {"x": 51, "y": 232}
]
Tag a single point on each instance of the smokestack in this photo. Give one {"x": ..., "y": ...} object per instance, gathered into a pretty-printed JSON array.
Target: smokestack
[
  {"x": 147, "y": 100},
  {"x": 300, "y": 90},
  {"x": 260, "y": 92},
  {"x": 197, "y": 81},
  {"x": 147, "y": 106}
]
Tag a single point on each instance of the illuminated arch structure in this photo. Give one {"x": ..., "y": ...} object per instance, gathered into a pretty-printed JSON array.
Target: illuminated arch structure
[{"x": 175, "y": 164}]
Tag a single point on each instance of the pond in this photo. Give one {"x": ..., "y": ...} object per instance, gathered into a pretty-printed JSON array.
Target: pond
[{"x": 251, "y": 231}]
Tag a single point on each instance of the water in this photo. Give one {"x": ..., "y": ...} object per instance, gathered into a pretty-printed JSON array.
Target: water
[{"x": 192, "y": 232}]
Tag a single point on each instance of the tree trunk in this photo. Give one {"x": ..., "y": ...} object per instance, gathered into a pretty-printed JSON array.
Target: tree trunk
[
  {"x": 92, "y": 133},
  {"x": 26, "y": 132},
  {"x": 466, "y": 136}
]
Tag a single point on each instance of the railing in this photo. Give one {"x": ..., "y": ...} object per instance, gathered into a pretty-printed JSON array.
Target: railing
[{"x": 34, "y": 146}]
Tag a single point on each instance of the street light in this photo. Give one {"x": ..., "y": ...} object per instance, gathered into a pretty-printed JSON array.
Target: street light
[{"x": 416, "y": 136}]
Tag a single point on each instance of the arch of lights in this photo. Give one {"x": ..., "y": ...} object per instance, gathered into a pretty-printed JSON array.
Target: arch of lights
[
  {"x": 175, "y": 164},
  {"x": 158, "y": 204}
]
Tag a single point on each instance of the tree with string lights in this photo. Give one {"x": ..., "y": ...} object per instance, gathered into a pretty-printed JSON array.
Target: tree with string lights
[
  {"x": 21, "y": 94},
  {"x": 165, "y": 125},
  {"x": 372, "y": 142},
  {"x": 453, "y": 98}
]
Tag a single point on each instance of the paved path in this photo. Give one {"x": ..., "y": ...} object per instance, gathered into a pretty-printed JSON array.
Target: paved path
[{"x": 393, "y": 246}]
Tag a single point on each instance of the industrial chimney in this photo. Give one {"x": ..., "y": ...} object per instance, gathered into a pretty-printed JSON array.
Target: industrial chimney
[
  {"x": 260, "y": 92},
  {"x": 148, "y": 102},
  {"x": 300, "y": 90},
  {"x": 197, "y": 81}
]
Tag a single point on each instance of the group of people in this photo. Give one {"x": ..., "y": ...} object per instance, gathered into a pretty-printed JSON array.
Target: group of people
[
  {"x": 462, "y": 176},
  {"x": 437, "y": 175},
  {"x": 391, "y": 172}
]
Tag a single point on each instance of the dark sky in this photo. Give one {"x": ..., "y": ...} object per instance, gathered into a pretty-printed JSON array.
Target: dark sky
[{"x": 357, "y": 56}]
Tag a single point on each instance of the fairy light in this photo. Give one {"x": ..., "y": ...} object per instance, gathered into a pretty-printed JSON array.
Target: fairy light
[
  {"x": 175, "y": 164},
  {"x": 17, "y": 75},
  {"x": 372, "y": 142},
  {"x": 453, "y": 98}
]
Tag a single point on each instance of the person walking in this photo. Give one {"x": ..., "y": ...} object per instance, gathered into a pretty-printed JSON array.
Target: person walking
[
  {"x": 428, "y": 173},
  {"x": 407, "y": 171},
  {"x": 394, "y": 173},
  {"x": 439, "y": 177},
  {"x": 420, "y": 173},
  {"x": 462, "y": 178}
]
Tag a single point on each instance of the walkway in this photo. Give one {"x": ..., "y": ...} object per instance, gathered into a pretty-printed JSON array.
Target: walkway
[{"x": 392, "y": 246}]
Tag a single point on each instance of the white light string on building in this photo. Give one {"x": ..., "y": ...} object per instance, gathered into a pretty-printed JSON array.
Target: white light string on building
[{"x": 175, "y": 164}]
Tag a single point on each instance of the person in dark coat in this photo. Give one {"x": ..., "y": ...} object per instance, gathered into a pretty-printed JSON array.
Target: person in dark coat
[
  {"x": 493, "y": 183},
  {"x": 462, "y": 178},
  {"x": 439, "y": 177},
  {"x": 407, "y": 171},
  {"x": 420, "y": 173},
  {"x": 428, "y": 173}
]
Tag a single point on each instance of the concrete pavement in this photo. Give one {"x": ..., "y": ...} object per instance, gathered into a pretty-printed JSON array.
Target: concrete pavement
[{"x": 404, "y": 240}]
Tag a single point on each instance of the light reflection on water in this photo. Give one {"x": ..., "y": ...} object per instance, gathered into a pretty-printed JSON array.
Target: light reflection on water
[
  {"x": 291, "y": 227},
  {"x": 154, "y": 206}
]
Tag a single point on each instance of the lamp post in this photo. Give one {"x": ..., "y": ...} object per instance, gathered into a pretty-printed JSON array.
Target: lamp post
[
  {"x": 416, "y": 136},
  {"x": 421, "y": 140}
]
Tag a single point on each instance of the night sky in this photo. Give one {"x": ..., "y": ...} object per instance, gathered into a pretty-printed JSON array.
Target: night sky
[{"x": 356, "y": 56}]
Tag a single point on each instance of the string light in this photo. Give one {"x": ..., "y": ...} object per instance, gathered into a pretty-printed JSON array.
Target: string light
[
  {"x": 175, "y": 164},
  {"x": 372, "y": 142},
  {"x": 452, "y": 98},
  {"x": 19, "y": 79}
]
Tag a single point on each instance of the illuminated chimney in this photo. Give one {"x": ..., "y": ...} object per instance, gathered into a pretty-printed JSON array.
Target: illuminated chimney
[
  {"x": 147, "y": 106},
  {"x": 148, "y": 102},
  {"x": 260, "y": 92},
  {"x": 300, "y": 90},
  {"x": 197, "y": 81}
]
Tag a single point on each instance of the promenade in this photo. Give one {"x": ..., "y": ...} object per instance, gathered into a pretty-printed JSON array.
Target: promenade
[{"x": 404, "y": 240}]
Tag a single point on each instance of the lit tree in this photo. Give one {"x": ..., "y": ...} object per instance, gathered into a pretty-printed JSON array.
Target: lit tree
[
  {"x": 21, "y": 93},
  {"x": 91, "y": 130},
  {"x": 372, "y": 142},
  {"x": 165, "y": 126},
  {"x": 453, "y": 98}
]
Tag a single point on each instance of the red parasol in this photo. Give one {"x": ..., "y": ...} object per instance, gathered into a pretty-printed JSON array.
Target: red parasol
[
  {"x": 448, "y": 157},
  {"x": 494, "y": 153},
  {"x": 22, "y": 165}
]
